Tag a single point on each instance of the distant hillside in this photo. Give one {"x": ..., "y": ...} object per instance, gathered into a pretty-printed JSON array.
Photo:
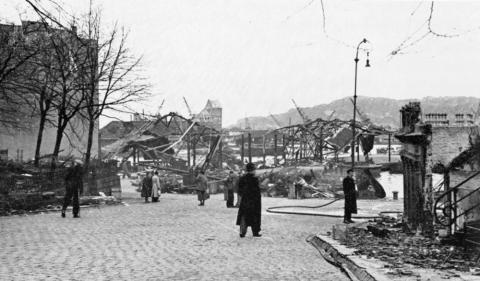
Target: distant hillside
[{"x": 382, "y": 111}]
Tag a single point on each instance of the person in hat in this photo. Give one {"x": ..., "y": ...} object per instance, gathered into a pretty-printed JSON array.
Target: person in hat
[
  {"x": 350, "y": 197},
  {"x": 73, "y": 187},
  {"x": 249, "y": 211}
]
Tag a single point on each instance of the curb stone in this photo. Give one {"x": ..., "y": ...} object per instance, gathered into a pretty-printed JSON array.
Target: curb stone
[
  {"x": 332, "y": 251},
  {"x": 373, "y": 269}
]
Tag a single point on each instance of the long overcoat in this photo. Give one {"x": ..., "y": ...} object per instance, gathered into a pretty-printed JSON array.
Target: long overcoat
[
  {"x": 74, "y": 179},
  {"x": 251, "y": 202},
  {"x": 147, "y": 186},
  {"x": 350, "y": 195}
]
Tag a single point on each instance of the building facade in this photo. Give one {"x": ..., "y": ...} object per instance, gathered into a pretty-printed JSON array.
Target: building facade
[{"x": 19, "y": 144}]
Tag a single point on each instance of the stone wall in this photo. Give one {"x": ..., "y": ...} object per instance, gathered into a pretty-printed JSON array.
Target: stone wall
[{"x": 448, "y": 142}]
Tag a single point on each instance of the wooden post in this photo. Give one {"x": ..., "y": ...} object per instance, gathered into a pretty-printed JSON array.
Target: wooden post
[
  {"x": 220, "y": 156},
  {"x": 389, "y": 147},
  {"x": 358, "y": 150},
  {"x": 188, "y": 151},
  {"x": 242, "y": 149},
  {"x": 194, "y": 152},
  {"x": 300, "y": 149},
  {"x": 263, "y": 151},
  {"x": 321, "y": 145},
  {"x": 134, "y": 156},
  {"x": 275, "y": 149},
  {"x": 249, "y": 147},
  {"x": 293, "y": 146}
]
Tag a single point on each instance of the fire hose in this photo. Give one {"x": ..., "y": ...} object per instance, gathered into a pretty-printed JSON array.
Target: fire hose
[{"x": 276, "y": 210}]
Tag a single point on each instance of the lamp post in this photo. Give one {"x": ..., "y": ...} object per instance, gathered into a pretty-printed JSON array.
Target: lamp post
[{"x": 355, "y": 99}]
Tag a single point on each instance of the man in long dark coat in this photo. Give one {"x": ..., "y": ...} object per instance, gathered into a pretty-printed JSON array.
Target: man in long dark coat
[
  {"x": 350, "y": 197},
  {"x": 249, "y": 211},
  {"x": 73, "y": 186}
]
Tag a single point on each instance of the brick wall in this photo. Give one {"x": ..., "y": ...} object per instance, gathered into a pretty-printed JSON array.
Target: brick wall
[{"x": 448, "y": 142}]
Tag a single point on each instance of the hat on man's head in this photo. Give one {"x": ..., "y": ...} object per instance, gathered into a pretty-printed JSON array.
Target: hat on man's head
[{"x": 250, "y": 167}]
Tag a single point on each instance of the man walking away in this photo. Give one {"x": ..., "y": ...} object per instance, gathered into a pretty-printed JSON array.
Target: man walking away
[
  {"x": 350, "y": 197},
  {"x": 202, "y": 183},
  {"x": 249, "y": 212},
  {"x": 73, "y": 186},
  {"x": 147, "y": 187}
]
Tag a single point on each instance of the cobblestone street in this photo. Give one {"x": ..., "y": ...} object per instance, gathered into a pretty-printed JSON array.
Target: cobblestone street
[{"x": 171, "y": 240}]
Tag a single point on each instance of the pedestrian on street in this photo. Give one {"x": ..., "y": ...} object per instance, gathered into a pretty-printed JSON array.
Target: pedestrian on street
[
  {"x": 147, "y": 186},
  {"x": 229, "y": 187},
  {"x": 156, "y": 190},
  {"x": 73, "y": 186},
  {"x": 125, "y": 169},
  {"x": 202, "y": 184},
  {"x": 249, "y": 212},
  {"x": 239, "y": 198},
  {"x": 350, "y": 197}
]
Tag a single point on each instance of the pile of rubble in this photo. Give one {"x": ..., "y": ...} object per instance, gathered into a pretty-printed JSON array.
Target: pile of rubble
[
  {"x": 385, "y": 240},
  {"x": 311, "y": 183}
]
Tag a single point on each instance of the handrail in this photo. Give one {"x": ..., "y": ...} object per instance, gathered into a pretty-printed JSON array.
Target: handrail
[{"x": 450, "y": 204}]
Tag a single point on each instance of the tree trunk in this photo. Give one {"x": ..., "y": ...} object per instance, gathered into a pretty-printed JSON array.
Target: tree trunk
[
  {"x": 91, "y": 128},
  {"x": 39, "y": 139},
  {"x": 58, "y": 142}
]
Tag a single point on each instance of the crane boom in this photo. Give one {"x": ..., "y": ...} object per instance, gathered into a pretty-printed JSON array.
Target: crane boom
[
  {"x": 275, "y": 120},
  {"x": 188, "y": 107},
  {"x": 300, "y": 112}
]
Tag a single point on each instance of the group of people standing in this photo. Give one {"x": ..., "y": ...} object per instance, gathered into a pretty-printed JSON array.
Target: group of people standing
[{"x": 151, "y": 186}]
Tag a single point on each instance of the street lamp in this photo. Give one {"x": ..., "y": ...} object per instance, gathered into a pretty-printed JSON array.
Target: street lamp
[{"x": 355, "y": 99}]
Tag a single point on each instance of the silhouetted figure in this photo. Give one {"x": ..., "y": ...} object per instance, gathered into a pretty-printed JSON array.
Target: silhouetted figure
[
  {"x": 147, "y": 185},
  {"x": 249, "y": 211},
  {"x": 350, "y": 197},
  {"x": 73, "y": 187},
  {"x": 229, "y": 187},
  {"x": 202, "y": 185}
]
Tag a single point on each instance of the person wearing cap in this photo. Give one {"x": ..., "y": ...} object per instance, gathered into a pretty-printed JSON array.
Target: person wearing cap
[
  {"x": 350, "y": 197},
  {"x": 73, "y": 186},
  {"x": 250, "y": 209}
]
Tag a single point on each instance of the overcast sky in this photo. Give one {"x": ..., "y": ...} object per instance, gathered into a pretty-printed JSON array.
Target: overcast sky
[{"x": 254, "y": 56}]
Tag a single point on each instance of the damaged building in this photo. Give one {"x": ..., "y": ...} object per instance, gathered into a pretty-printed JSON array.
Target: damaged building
[{"x": 452, "y": 149}]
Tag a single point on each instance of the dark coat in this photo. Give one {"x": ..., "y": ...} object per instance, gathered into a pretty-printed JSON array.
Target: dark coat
[
  {"x": 251, "y": 202},
  {"x": 74, "y": 179},
  {"x": 147, "y": 185},
  {"x": 350, "y": 195}
]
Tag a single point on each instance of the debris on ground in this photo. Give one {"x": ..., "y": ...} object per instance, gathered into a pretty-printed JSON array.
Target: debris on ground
[{"x": 384, "y": 239}]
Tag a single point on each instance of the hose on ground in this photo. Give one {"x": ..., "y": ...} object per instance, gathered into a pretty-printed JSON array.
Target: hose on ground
[{"x": 276, "y": 210}]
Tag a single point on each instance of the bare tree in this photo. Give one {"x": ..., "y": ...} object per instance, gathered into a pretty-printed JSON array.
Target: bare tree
[
  {"x": 67, "y": 54},
  {"x": 38, "y": 84},
  {"x": 110, "y": 77},
  {"x": 14, "y": 54}
]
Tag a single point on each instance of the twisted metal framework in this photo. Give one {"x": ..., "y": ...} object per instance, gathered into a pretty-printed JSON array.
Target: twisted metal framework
[
  {"x": 177, "y": 133},
  {"x": 316, "y": 139}
]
